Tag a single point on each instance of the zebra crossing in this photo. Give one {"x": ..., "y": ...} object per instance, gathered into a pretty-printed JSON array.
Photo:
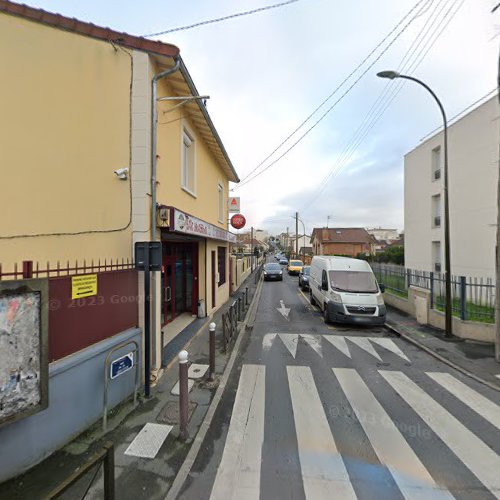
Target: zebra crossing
[
  {"x": 324, "y": 468},
  {"x": 339, "y": 342}
]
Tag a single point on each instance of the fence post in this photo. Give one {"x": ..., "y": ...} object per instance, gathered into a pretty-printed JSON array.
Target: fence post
[
  {"x": 246, "y": 296},
  {"x": 408, "y": 279},
  {"x": 431, "y": 285},
  {"x": 463, "y": 298},
  {"x": 28, "y": 269},
  {"x": 211, "y": 333},
  {"x": 183, "y": 394},
  {"x": 109, "y": 472}
]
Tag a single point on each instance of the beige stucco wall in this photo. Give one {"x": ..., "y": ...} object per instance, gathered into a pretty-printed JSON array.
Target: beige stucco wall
[
  {"x": 473, "y": 173},
  {"x": 65, "y": 126}
]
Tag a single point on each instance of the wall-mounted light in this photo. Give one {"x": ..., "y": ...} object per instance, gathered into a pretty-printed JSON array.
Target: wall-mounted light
[{"x": 122, "y": 173}]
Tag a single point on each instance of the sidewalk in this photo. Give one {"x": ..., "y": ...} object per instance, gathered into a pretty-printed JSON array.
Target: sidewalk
[
  {"x": 137, "y": 477},
  {"x": 477, "y": 358}
]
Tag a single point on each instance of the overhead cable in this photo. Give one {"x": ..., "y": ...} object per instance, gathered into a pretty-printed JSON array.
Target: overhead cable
[{"x": 220, "y": 19}]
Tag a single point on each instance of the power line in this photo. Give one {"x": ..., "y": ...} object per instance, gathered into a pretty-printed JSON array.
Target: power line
[
  {"x": 336, "y": 90},
  {"x": 372, "y": 117},
  {"x": 225, "y": 18},
  {"x": 367, "y": 125},
  {"x": 332, "y": 106}
]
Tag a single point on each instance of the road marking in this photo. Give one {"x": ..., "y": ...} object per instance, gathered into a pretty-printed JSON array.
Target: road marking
[
  {"x": 267, "y": 341},
  {"x": 284, "y": 311},
  {"x": 481, "y": 405},
  {"x": 314, "y": 341},
  {"x": 392, "y": 449},
  {"x": 390, "y": 345},
  {"x": 339, "y": 343},
  {"x": 291, "y": 341},
  {"x": 238, "y": 475},
  {"x": 364, "y": 343},
  {"x": 323, "y": 470},
  {"x": 482, "y": 461}
]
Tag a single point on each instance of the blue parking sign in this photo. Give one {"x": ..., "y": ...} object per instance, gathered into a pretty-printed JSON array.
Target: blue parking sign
[{"x": 121, "y": 365}]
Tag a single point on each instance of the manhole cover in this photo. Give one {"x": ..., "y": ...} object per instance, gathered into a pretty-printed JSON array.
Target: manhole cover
[{"x": 169, "y": 414}]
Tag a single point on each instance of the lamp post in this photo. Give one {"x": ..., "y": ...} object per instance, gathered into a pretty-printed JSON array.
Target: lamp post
[{"x": 447, "y": 260}]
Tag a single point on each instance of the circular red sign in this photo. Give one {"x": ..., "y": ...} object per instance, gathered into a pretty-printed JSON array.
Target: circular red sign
[{"x": 238, "y": 221}]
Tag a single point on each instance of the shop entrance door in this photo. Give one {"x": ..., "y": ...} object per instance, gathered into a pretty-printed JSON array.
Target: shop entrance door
[{"x": 179, "y": 280}]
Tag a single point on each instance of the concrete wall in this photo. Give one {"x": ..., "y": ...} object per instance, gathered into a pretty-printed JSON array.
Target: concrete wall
[
  {"x": 473, "y": 174},
  {"x": 65, "y": 122},
  {"x": 76, "y": 386},
  {"x": 241, "y": 269},
  {"x": 418, "y": 305}
]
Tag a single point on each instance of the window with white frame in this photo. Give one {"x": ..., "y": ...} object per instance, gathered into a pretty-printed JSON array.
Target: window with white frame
[
  {"x": 188, "y": 166},
  {"x": 436, "y": 163},
  {"x": 220, "y": 195}
]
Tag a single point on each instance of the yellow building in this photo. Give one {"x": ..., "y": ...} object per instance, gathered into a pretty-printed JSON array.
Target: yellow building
[{"x": 76, "y": 161}]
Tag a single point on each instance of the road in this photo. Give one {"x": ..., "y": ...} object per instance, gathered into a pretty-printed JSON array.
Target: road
[{"x": 320, "y": 411}]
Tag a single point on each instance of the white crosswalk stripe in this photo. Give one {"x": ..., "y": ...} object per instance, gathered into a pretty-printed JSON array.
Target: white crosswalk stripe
[
  {"x": 323, "y": 470},
  {"x": 481, "y": 405},
  {"x": 322, "y": 467},
  {"x": 238, "y": 476},
  {"x": 481, "y": 460},
  {"x": 338, "y": 342},
  {"x": 408, "y": 472}
]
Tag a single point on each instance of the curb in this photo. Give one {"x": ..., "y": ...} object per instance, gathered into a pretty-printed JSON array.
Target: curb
[
  {"x": 441, "y": 358},
  {"x": 186, "y": 466}
]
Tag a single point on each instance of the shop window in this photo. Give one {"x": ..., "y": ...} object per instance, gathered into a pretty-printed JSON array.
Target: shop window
[{"x": 221, "y": 257}]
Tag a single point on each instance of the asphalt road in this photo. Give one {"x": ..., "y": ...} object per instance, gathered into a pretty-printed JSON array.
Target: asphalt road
[{"x": 321, "y": 411}]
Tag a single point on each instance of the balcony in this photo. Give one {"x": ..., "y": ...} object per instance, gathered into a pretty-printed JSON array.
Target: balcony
[{"x": 437, "y": 174}]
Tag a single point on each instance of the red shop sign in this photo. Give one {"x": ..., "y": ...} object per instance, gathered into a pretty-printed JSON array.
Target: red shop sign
[{"x": 238, "y": 221}]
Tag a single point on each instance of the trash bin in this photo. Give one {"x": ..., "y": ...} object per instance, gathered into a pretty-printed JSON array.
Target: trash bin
[{"x": 201, "y": 308}]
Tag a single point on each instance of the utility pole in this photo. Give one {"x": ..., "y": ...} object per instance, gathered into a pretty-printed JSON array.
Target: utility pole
[
  {"x": 252, "y": 249},
  {"x": 287, "y": 243},
  {"x": 296, "y": 234},
  {"x": 497, "y": 253}
]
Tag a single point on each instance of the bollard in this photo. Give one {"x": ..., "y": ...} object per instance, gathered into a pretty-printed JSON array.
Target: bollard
[
  {"x": 211, "y": 367},
  {"x": 246, "y": 296},
  {"x": 183, "y": 394}
]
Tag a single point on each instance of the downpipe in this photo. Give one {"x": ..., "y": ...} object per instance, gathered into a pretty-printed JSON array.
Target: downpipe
[{"x": 154, "y": 124}]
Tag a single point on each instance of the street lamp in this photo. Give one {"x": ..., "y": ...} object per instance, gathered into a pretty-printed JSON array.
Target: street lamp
[
  {"x": 447, "y": 273},
  {"x": 391, "y": 75}
]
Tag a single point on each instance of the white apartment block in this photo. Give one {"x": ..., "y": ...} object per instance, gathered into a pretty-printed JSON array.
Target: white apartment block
[{"x": 473, "y": 149}]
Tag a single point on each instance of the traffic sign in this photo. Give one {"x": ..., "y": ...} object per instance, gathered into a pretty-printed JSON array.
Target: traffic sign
[{"x": 234, "y": 204}]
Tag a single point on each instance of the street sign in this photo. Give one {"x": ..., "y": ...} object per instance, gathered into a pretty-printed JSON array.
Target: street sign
[
  {"x": 238, "y": 221},
  {"x": 234, "y": 204},
  {"x": 121, "y": 365}
]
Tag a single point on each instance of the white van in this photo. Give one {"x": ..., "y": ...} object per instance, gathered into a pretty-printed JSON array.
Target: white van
[{"x": 346, "y": 290}]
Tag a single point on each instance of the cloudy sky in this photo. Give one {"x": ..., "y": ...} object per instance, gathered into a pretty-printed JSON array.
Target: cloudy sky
[{"x": 267, "y": 72}]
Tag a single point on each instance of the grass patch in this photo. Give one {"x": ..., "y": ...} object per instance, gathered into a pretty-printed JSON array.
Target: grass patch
[{"x": 474, "y": 312}]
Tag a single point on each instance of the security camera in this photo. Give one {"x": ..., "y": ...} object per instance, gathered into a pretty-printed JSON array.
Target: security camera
[{"x": 122, "y": 173}]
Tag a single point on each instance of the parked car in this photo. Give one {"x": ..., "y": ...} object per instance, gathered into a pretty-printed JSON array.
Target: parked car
[
  {"x": 304, "y": 278},
  {"x": 346, "y": 290},
  {"x": 295, "y": 266},
  {"x": 273, "y": 271},
  {"x": 283, "y": 261}
]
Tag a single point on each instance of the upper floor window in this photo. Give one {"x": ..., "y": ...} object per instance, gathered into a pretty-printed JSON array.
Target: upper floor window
[
  {"x": 220, "y": 198},
  {"x": 436, "y": 163},
  {"x": 188, "y": 163}
]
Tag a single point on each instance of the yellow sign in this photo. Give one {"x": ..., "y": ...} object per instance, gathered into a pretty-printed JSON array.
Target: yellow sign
[{"x": 83, "y": 286}]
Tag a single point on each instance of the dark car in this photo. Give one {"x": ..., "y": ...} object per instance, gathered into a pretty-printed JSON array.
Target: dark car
[
  {"x": 304, "y": 278},
  {"x": 273, "y": 272}
]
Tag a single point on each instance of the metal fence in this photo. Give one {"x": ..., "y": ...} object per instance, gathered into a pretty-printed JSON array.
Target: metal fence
[
  {"x": 234, "y": 314},
  {"x": 472, "y": 298}
]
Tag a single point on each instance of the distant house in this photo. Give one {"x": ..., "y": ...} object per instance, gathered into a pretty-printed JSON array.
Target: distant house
[
  {"x": 342, "y": 241},
  {"x": 305, "y": 251}
]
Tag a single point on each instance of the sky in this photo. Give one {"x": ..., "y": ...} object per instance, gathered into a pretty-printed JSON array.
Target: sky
[{"x": 266, "y": 73}]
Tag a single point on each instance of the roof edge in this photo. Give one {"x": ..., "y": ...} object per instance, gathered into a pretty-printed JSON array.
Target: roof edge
[{"x": 87, "y": 29}]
